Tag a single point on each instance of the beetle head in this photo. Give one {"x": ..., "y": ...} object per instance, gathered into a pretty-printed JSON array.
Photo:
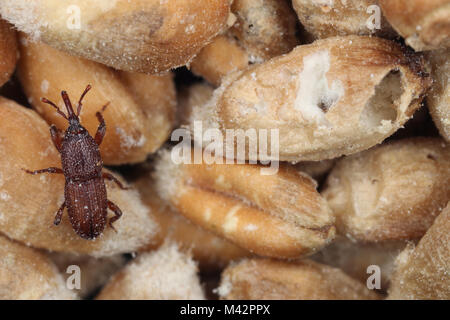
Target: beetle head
[
  {"x": 75, "y": 128},
  {"x": 71, "y": 117}
]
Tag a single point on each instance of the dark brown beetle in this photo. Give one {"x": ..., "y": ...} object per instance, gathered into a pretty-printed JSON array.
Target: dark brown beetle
[{"x": 85, "y": 191}]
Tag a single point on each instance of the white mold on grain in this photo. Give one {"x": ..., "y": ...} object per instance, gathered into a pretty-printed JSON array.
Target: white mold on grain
[
  {"x": 129, "y": 141},
  {"x": 167, "y": 176},
  {"x": 24, "y": 15},
  {"x": 4, "y": 196},
  {"x": 251, "y": 227},
  {"x": 225, "y": 287},
  {"x": 45, "y": 86},
  {"x": 315, "y": 96},
  {"x": 207, "y": 214},
  {"x": 231, "y": 221}
]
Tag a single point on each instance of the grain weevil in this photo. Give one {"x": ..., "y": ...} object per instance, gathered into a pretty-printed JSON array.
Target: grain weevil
[{"x": 85, "y": 191}]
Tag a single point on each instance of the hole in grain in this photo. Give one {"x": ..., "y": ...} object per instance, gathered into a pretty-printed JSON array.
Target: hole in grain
[
  {"x": 383, "y": 105},
  {"x": 325, "y": 105}
]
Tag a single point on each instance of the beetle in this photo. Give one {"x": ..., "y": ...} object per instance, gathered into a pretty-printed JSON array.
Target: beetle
[{"x": 85, "y": 191}]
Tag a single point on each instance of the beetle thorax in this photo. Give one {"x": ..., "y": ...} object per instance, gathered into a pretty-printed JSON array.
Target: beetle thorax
[{"x": 80, "y": 155}]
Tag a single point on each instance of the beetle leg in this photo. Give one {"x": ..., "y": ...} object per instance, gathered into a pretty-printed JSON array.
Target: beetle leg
[
  {"x": 56, "y": 137},
  {"x": 47, "y": 170},
  {"x": 118, "y": 213},
  {"x": 110, "y": 177},
  {"x": 101, "y": 130},
  {"x": 59, "y": 214}
]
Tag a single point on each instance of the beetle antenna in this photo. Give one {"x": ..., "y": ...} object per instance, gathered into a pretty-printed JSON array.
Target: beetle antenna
[
  {"x": 81, "y": 99},
  {"x": 44, "y": 100},
  {"x": 104, "y": 107},
  {"x": 68, "y": 104}
]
